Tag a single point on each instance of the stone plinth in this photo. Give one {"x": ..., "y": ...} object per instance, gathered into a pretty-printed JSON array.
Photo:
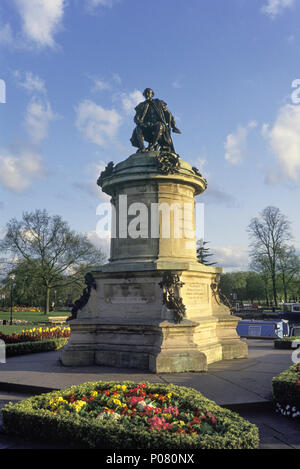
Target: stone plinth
[{"x": 129, "y": 320}]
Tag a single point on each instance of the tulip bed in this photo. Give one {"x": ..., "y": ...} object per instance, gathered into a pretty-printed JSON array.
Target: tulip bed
[
  {"x": 36, "y": 334},
  {"x": 35, "y": 340},
  {"x": 132, "y": 416},
  {"x": 286, "y": 392}
]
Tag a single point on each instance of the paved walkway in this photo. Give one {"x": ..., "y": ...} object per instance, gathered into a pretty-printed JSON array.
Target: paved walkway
[
  {"x": 243, "y": 385},
  {"x": 227, "y": 382}
]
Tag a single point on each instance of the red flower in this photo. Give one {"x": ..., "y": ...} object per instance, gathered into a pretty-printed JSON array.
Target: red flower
[
  {"x": 196, "y": 420},
  {"x": 180, "y": 430},
  {"x": 212, "y": 417}
]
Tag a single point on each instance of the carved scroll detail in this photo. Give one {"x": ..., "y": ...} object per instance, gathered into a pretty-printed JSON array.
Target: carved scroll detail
[{"x": 170, "y": 285}]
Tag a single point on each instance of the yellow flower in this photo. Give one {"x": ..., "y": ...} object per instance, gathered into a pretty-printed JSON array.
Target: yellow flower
[
  {"x": 120, "y": 387},
  {"x": 78, "y": 405},
  {"x": 115, "y": 401},
  {"x": 179, "y": 422},
  {"x": 94, "y": 394}
]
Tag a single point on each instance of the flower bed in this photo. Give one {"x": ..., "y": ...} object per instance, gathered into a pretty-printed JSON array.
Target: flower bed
[
  {"x": 25, "y": 309},
  {"x": 285, "y": 343},
  {"x": 36, "y": 334},
  {"x": 125, "y": 415},
  {"x": 286, "y": 392}
]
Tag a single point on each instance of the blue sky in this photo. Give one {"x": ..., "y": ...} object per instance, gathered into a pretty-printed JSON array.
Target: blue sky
[{"x": 75, "y": 69}]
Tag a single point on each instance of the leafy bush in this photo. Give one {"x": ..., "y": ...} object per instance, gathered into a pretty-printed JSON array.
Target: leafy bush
[
  {"x": 111, "y": 415},
  {"x": 23, "y": 348},
  {"x": 286, "y": 387},
  {"x": 285, "y": 342}
]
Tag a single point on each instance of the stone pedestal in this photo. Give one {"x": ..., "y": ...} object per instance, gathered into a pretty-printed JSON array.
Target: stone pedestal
[{"x": 136, "y": 317}]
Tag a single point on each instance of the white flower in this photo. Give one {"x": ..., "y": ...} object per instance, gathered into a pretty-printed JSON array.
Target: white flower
[
  {"x": 142, "y": 404},
  {"x": 112, "y": 416}
]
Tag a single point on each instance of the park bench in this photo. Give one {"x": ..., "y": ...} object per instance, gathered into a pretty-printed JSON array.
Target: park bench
[{"x": 57, "y": 319}]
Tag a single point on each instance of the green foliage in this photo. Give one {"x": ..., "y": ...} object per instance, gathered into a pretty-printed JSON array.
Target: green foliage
[
  {"x": 29, "y": 417},
  {"x": 203, "y": 253},
  {"x": 285, "y": 388},
  {"x": 34, "y": 347},
  {"x": 285, "y": 342},
  {"x": 234, "y": 282},
  {"x": 55, "y": 255},
  {"x": 254, "y": 287},
  {"x": 272, "y": 254}
]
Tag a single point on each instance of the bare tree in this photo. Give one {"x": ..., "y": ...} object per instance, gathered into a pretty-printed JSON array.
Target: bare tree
[
  {"x": 270, "y": 234},
  {"x": 288, "y": 267},
  {"x": 260, "y": 265},
  {"x": 51, "y": 248}
]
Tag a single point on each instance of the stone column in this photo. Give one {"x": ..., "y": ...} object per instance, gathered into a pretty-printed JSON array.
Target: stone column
[{"x": 153, "y": 305}]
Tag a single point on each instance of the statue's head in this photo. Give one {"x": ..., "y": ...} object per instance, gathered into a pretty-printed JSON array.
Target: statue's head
[{"x": 148, "y": 93}]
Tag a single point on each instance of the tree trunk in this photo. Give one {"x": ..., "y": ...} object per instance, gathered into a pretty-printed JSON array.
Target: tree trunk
[
  {"x": 274, "y": 288},
  {"x": 47, "y": 299}
]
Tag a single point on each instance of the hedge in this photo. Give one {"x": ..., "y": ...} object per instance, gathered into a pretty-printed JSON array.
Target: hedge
[
  {"x": 23, "y": 348},
  {"x": 31, "y": 418},
  {"x": 286, "y": 387},
  {"x": 285, "y": 343}
]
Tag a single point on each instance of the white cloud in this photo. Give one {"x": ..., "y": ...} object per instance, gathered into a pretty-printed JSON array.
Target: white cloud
[
  {"x": 235, "y": 145},
  {"x": 284, "y": 141},
  {"x": 201, "y": 162},
  {"x": 99, "y": 125},
  {"x": 41, "y": 19},
  {"x": 6, "y": 35},
  {"x": 88, "y": 183},
  {"x": 131, "y": 100},
  {"x": 231, "y": 258},
  {"x": 102, "y": 242},
  {"x": 39, "y": 113},
  {"x": 32, "y": 83},
  {"x": 214, "y": 193},
  {"x": 100, "y": 85},
  {"x": 93, "y": 4},
  {"x": 274, "y": 8},
  {"x": 18, "y": 170},
  {"x": 38, "y": 117},
  {"x": 177, "y": 83}
]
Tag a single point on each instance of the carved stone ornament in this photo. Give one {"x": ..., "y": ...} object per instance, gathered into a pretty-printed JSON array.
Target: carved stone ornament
[
  {"x": 106, "y": 173},
  {"x": 197, "y": 172},
  {"x": 168, "y": 163},
  {"x": 170, "y": 285},
  {"x": 79, "y": 304},
  {"x": 219, "y": 296}
]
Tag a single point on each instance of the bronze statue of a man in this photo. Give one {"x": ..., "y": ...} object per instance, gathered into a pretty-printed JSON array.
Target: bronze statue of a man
[{"x": 154, "y": 123}]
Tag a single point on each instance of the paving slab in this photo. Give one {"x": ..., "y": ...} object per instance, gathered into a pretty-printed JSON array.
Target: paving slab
[
  {"x": 243, "y": 385},
  {"x": 228, "y": 382},
  {"x": 275, "y": 431}
]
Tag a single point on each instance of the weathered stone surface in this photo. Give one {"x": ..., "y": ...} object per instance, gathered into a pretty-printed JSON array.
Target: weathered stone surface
[{"x": 125, "y": 322}]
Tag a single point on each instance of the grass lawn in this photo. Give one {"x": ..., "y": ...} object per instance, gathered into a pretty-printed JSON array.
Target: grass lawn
[{"x": 34, "y": 317}]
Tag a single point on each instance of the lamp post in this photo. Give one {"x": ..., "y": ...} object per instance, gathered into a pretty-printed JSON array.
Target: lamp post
[{"x": 12, "y": 277}]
